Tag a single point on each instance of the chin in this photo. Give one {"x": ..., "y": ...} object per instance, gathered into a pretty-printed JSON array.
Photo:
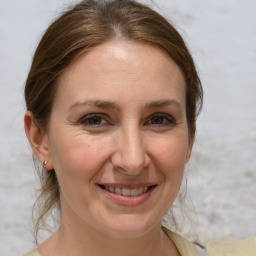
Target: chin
[{"x": 130, "y": 227}]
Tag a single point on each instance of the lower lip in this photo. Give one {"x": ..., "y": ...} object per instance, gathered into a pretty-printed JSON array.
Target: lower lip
[{"x": 128, "y": 200}]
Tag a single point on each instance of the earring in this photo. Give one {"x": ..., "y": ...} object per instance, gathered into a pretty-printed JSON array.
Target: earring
[{"x": 45, "y": 162}]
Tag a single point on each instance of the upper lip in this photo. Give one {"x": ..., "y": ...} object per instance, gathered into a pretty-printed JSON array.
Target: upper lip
[{"x": 127, "y": 185}]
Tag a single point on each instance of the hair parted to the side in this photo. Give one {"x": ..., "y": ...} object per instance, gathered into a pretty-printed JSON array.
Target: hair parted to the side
[{"x": 81, "y": 28}]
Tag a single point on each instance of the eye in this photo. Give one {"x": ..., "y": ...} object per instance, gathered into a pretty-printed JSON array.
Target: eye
[
  {"x": 160, "y": 120},
  {"x": 93, "y": 120}
]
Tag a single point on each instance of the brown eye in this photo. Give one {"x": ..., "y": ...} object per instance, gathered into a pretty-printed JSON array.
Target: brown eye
[
  {"x": 93, "y": 120},
  {"x": 160, "y": 120},
  {"x": 157, "y": 120}
]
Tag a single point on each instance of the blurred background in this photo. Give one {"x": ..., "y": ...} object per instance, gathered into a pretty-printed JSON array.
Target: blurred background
[{"x": 221, "y": 36}]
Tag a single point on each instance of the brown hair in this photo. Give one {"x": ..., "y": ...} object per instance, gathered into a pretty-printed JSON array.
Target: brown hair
[{"x": 79, "y": 29}]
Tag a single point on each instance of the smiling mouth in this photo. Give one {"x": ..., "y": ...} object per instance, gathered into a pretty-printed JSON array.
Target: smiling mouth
[{"x": 127, "y": 191}]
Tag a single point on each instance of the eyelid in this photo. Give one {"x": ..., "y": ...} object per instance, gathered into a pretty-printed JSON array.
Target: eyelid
[
  {"x": 170, "y": 118},
  {"x": 91, "y": 115},
  {"x": 168, "y": 121},
  {"x": 88, "y": 116}
]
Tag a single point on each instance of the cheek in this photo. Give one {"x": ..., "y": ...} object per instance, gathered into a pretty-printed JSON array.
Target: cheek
[
  {"x": 171, "y": 154},
  {"x": 77, "y": 160},
  {"x": 171, "y": 159},
  {"x": 77, "y": 157}
]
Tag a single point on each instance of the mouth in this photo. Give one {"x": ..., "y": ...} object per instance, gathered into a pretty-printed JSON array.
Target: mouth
[
  {"x": 124, "y": 190},
  {"x": 128, "y": 194}
]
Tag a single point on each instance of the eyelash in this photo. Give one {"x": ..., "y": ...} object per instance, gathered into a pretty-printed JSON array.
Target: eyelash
[
  {"x": 88, "y": 121},
  {"x": 166, "y": 120}
]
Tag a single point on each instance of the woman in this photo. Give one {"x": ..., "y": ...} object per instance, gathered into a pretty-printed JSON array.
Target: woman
[{"x": 112, "y": 99}]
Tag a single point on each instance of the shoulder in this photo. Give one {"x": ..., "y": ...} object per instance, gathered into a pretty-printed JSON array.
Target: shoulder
[
  {"x": 33, "y": 253},
  {"x": 185, "y": 247},
  {"x": 232, "y": 247}
]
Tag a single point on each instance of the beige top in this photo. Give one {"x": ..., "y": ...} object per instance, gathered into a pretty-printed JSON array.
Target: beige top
[
  {"x": 33, "y": 253},
  {"x": 232, "y": 247}
]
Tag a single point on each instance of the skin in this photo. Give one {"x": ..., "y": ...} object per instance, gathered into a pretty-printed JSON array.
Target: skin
[{"x": 119, "y": 116}]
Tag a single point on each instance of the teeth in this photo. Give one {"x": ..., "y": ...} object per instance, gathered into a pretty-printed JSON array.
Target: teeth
[
  {"x": 118, "y": 191},
  {"x": 140, "y": 191},
  {"x": 134, "y": 192},
  {"x": 127, "y": 191}
]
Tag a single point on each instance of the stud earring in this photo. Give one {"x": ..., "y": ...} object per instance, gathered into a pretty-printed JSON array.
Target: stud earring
[{"x": 45, "y": 162}]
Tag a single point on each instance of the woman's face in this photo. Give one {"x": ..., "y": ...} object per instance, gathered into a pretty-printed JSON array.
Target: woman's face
[{"x": 118, "y": 138}]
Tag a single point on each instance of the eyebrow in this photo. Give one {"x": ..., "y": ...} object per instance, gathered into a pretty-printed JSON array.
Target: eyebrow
[
  {"x": 96, "y": 103},
  {"x": 162, "y": 103},
  {"x": 114, "y": 105}
]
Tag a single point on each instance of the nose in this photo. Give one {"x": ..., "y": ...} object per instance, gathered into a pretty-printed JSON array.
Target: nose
[{"x": 130, "y": 154}]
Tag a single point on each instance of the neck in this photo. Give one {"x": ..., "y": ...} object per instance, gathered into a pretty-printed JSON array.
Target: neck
[{"x": 70, "y": 240}]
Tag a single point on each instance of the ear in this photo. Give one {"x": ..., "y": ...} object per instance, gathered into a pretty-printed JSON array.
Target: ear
[
  {"x": 38, "y": 141},
  {"x": 189, "y": 150}
]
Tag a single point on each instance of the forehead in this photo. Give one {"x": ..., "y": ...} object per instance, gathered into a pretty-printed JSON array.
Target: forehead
[
  {"x": 125, "y": 54},
  {"x": 122, "y": 68}
]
